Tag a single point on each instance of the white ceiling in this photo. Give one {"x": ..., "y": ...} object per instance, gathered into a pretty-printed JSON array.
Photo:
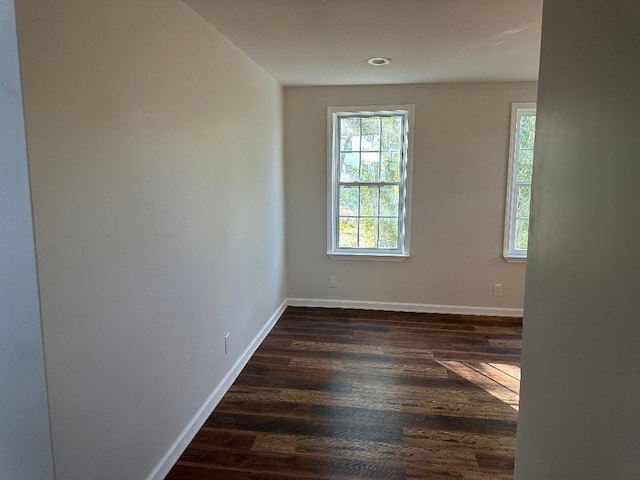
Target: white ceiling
[{"x": 326, "y": 42}]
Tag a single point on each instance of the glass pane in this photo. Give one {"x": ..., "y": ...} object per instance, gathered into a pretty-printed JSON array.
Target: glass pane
[
  {"x": 347, "y": 232},
  {"x": 527, "y": 131},
  {"x": 390, "y": 167},
  {"x": 349, "y": 134},
  {"x": 369, "y": 201},
  {"x": 371, "y": 133},
  {"x": 388, "y": 237},
  {"x": 369, "y": 167},
  {"x": 371, "y": 126},
  {"x": 349, "y": 167},
  {"x": 525, "y": 165},
  {"x": 368, "y": 233},
  {"x": 523, "y": 201},
  {"x": 522, "y": 233},
  {"x": 389, "y": 201},
  {"x": 392, "y": 133},
  {"x": 349, "y": 201}
]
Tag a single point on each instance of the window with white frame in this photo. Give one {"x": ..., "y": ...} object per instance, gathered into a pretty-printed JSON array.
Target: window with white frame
[
  {"x": 369, "y": 181},
  {"x": 523, "y": 132}
]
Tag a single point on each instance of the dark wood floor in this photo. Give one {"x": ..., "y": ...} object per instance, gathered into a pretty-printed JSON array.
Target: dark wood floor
[{"x": 346, "y": 394}]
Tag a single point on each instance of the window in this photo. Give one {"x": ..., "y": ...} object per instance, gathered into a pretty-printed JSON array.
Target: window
[
  {"x": 523, "y": 132},
  {"x": 369, "y": 180}
]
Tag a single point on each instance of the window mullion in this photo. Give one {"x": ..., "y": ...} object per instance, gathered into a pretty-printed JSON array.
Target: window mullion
[
  {"x": 370, "y": 184},
  {"x": 358, "y": 217},
  {"x": 378, "y": 221}
]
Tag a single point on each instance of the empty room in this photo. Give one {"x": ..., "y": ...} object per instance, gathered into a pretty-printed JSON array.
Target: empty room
[{"x": 285, "y": 239}]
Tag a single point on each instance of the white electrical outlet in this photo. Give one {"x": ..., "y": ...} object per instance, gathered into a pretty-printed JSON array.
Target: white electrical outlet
[
  {"x": 497, "y": 289},
  {"x": 333, "y": 281},
  {"x": 227, "y": 343}
]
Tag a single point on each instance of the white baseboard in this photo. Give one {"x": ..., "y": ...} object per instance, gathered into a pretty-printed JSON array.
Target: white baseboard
[
  {"x": 405, "y": 307},
  {"x": 169, "y": 459}
]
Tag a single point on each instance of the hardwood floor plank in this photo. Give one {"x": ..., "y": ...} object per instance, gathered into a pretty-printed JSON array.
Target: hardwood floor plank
[
  {"x": 354, "y": 394},
  {"x": 476, "y": 443},
  {"x": 497, "y": 375},
  {"x": 388, "y": 350},
  {"x": 320, "y": 426},
  {"x": 494, "y": 463},
  {"x": 512, "y": 370},
  {"x": 228, "y": 438}
]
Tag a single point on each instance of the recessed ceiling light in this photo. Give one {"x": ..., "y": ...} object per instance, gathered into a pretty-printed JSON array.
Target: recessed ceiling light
[{"x": 378, "y": 61}]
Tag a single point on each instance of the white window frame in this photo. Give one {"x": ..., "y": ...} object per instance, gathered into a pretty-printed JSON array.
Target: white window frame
[
  {"x": 510, "y": 252},
  {"x": 404, "y": 207}
]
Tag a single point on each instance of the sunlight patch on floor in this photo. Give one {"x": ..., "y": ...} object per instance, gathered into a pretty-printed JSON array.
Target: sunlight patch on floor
[{"x": 500, "y": 380}]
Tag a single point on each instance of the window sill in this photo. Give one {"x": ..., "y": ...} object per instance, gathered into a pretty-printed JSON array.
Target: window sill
[
  {"x": 513, "y": 259},
  {"x": 384, "y": 257}
]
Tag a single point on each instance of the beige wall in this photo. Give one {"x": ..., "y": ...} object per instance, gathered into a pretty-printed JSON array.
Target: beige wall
[
  {"x": 581, "y": 363},
  {"x": 459, "y": 182},
  {"x": 156, "y": 166}
]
